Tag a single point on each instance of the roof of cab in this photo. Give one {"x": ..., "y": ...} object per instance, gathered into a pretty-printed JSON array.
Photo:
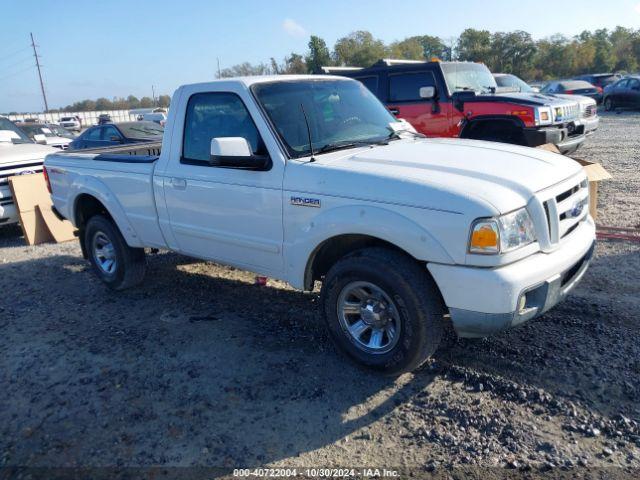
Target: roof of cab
[{"x": 248, "y": 81}]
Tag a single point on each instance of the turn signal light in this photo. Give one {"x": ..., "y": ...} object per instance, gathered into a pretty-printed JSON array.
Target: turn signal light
[{"x": 484, "y": 237}]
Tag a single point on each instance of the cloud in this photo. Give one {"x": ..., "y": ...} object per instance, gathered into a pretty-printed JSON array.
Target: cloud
[{"x": 293, "y": 28}]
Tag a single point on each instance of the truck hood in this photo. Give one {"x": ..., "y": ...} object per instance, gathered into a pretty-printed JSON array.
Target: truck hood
[
  {"x": 18, "y": 153},
  {"x": 534, "y": 99},
  {"x": 442, "y": 174}
]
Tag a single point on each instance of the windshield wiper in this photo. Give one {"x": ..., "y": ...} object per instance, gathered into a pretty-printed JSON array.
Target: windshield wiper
[
  {"x": 330, "y": 147},
  {"x": 396, "y": 134}
]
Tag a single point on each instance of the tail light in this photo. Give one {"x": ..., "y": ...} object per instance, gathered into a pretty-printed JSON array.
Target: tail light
[
  {"x": 569, "y": 92},
  {"x": 599, "y": 89},
  {"x": 46, "y": 178}
]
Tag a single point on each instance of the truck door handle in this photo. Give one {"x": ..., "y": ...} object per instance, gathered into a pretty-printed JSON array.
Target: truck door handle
[
  {"x": 395, "y": 111},
  {"x": 179, "y": 183}
]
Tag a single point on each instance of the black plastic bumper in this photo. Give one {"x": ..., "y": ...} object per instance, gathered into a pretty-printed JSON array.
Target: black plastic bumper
[{"x": 562, "y": 138}]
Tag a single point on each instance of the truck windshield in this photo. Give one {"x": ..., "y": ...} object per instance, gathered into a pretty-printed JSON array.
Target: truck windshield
[
  {"x": 462, "y": 76},
  {"x": 341, "y": 114},
  {"x": 9, "y": 125},
  {"x": 35, "y": 129}
]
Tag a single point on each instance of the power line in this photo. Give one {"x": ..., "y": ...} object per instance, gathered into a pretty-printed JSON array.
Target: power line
[
  {"x": 4, "y": 57},
  {"x": 35, "y": 54},
  {"x": 16, "y": 73}
]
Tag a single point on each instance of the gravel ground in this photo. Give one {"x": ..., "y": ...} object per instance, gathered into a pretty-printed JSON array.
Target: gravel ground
[{"x": 199, "y": 367}]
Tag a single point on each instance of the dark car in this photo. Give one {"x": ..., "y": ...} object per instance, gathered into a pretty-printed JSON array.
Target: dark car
[
  {"x": 573, "y": 87},
  {"x": 104, "y": 118},
  {"x": 624, "y": 93},
  {"x": 117, "y": 134},
  {"x": 600, "y": 80}
]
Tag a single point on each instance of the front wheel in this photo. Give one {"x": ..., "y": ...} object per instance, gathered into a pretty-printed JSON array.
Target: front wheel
[
  {"x": 117, "y": 264},
  {"x": 383, "y": 310}
]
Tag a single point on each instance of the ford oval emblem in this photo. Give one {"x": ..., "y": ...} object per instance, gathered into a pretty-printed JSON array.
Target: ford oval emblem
[{"x": 576, "y": 210}]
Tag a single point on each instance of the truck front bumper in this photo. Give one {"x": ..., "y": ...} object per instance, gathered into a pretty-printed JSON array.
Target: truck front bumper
[
  {"x": 567, "y": 141},
  {"x": 484, "y": 301}
]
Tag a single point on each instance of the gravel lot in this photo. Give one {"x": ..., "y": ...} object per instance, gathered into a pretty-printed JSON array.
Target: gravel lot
[{"x": 199, "y": 367}]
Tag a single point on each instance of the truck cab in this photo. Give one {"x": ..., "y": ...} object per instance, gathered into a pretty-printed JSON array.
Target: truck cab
[{"x": 462, "y": 99}]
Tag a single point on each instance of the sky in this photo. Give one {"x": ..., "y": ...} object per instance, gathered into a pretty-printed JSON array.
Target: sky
[{"x": 92, "y": 48}]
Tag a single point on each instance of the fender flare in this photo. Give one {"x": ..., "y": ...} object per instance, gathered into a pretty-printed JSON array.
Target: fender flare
[
  {"x": 376, "y": 222},
  {"x": 88, "y": 185}
]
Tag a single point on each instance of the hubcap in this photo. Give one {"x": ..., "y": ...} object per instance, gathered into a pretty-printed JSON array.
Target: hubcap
[
  {"x": 104, "y": 253},
  {"x": 368, "y": 317}
]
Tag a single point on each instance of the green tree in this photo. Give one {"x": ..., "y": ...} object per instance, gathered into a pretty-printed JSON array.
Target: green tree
[
  {"x": 359, "y": 49},
  {"x": 512, "y": 52},
  {"x": 133, "y": 101},
  {"x": 146, "y": 102},
  {"x": 245, "y": 70},
  {"x": 474, "y": 46},
  {"x": 164, "y": 101},
  {"x": 103, "y": 104},
  {"x": 434, "y": 47},
  {"x": 318, "y": 55},
  {"x": 408, "y": 49}
]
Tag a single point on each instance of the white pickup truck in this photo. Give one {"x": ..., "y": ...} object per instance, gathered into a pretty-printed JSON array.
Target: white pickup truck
[
  {"x": 405, "y": 233},
  {"x": 18, "y": 156}
]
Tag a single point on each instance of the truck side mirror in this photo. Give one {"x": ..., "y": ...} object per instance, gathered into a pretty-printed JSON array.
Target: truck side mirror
[
  {"x": 427, "y": 93},
  {"x": 235, "y": 152}
]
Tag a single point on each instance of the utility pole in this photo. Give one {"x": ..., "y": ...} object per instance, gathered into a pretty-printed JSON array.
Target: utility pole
[
  {"x": 35, "y": 54},
  {"x": 153, "y": 94},
  {"x": 218, "y": 60}
]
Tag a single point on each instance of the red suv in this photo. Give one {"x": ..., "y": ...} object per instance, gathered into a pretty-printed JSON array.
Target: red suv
[{"x": 461, "y": 99}]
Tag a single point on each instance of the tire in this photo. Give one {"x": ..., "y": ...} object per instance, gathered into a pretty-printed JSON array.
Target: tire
[
  {"x": 103, "y": 242},
  {"x": 406, "y": 307},
  {"x": 608, "y": 104}
]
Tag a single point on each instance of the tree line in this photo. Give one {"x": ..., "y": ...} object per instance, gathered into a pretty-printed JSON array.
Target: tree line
[
  {"x": 514, "y": 52},
  {"x": 117, "y": 103}
]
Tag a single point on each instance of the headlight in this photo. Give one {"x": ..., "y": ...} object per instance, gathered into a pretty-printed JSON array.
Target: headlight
[
  {"x": 502, "y": 234},
  {"x": 543, "y": 116}
]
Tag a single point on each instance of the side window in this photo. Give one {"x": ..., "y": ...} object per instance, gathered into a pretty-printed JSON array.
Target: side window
[
  {"x": 622, "y": 84},
  {"x": 110, "y": 131},
  {"x": 405, "y": 87},
  {"x": 211, "y": 115},
  {"x": 370, "y": 82},
  {"x": 634, "y": 84},
  {"x": 93, "y": 134}
]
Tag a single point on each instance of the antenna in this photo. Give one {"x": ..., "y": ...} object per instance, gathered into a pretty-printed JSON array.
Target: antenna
[
  {"x": 35, "y": 54},
  {"x": 306, "y": 121}
]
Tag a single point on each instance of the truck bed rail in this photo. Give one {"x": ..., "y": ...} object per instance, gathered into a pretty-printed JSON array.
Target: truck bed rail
[{"x": 147, "y": 152}]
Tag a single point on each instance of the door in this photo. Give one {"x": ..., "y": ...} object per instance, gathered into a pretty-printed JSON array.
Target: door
[
  {"x": 231, "y": 215},
  {"x": 620, "y": 94},
  {"x": 111, "y": 136},
  {"x": 634, "y": 93},
  {"x": 429, "y": 117},
  {"x": 91, "y": 138}
]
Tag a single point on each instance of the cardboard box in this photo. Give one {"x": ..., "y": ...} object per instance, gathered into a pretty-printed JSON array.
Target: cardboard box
[
  {"x": 37, "y": 220},
  {"x": 595, "y": 174}
]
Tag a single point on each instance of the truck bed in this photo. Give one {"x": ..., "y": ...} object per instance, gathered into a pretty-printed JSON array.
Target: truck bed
[{"x": 147, "y": 152}]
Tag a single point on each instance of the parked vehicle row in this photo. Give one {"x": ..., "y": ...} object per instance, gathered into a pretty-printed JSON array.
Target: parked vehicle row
[
  {"x": 310, "y": 178},
  {"x": 44, "y": 134},
  {"x": 462, "y": 99},
  {"x": 108, "y": 134}
]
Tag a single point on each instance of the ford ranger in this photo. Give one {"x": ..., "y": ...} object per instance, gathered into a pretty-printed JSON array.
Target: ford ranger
[{"x": 310, "y": 178}]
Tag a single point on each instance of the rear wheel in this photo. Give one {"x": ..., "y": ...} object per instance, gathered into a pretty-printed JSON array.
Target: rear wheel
[
  {"x": 383, "y": 310},
  {"x": 117, "y": 264},
  {"x": 608, "y": 104}
]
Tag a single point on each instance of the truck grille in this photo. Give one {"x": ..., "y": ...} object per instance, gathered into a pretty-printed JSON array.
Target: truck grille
[
  {"x": 566, "y": 113},
  {"x": 11, "y": 170},
  {"x": 589, "y": 111},
  {"x": 563, "y": 208}
]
